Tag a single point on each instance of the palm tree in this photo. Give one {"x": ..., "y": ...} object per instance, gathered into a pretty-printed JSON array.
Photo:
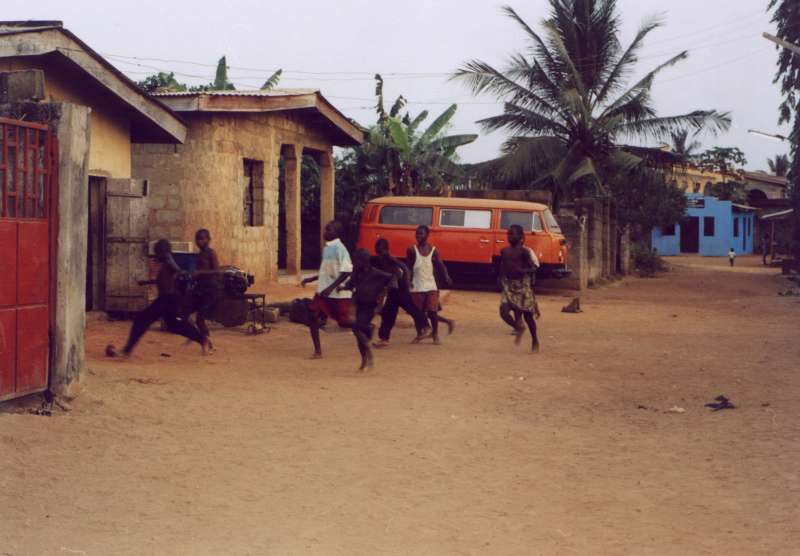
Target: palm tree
[
  {"x": 681, "y": 145},
  {"x": 566, "y": 102},
  {"x": 779, "y": 165}
]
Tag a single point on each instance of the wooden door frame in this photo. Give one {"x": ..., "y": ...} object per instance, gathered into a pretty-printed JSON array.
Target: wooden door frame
[{"x": 98, "y": 247}]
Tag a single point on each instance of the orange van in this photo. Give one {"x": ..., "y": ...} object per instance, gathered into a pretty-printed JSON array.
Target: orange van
[{"x": 469, "y": 232}]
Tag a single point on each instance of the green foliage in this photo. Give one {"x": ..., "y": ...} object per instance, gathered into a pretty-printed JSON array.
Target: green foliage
[
  {"x": 220, "y": 83},
  {"x": 682, "y": 146},
  {"x": 161, "y": 82},
  {"x": 779, "y": 165},
  {"x": 723, "y": 160},
  {"x": 272, "y": 81},
  {"x": 398, "y": 156},
  {"x": 786, "y": 16},
  {"x": 567, "y": 101},
  {"x": 729, "y": 191},
  {"x": 644, "y": 200},
  {"x": 646, "y": 261},
  {"x": 357, "y": 181}
]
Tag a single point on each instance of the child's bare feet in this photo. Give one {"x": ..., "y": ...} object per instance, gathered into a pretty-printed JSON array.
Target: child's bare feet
[
  {"x": 451, "y": 326},
  {"x": 111, "y": 351},
  {"x": 207, "y": 347},
  {"x": 518, "y": 336},
  {"x": 316, "y": 355},
  {"x": 436, "y": 341},
  {"x": 380, "y": 344},
  {"x": 424, "y": 333},
  {"x": 535, "y": 346},
  {"x": 367, "y": 361}
]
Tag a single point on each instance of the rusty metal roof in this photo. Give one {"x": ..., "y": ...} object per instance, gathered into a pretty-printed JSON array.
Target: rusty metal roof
[
  {"x": 309, "y": 102},
  {"x": 243, "y": 93}
]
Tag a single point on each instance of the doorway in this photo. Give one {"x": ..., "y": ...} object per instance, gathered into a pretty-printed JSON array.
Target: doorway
[
  {"x": 95, "y": 245},
  {"x": 690, "y": 235}
]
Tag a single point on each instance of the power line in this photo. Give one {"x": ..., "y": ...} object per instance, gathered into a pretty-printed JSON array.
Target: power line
[
  {"x": 715, "y": 66},
  {"x": 354, "y": 74}
]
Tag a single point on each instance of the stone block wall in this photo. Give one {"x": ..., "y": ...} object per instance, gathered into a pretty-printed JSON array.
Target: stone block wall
[
  {"x": 201, "y": 184},
  {"x": 599, "y": 249}
]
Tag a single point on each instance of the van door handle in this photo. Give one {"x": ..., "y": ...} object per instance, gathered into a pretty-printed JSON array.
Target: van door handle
[
  {"x": 500, "y": 241},
  {"x": 484, "y": 241}
]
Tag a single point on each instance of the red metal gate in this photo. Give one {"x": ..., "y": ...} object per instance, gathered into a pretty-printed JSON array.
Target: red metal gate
[{"x": 27, "y": 192}]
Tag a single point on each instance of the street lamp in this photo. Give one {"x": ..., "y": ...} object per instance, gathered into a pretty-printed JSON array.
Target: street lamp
[{"x": 769, "y": 135}]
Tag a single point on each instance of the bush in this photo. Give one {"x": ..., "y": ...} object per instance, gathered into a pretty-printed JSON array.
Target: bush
[{"x": 647, "y": 262}]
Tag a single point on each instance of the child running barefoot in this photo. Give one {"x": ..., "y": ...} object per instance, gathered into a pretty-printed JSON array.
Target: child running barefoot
[
  {"x": 369, "y": 285},
  {"x": 516, "y": 271},
  {"x": 334, "y": 270},
  {"x": 424, "y": 261},
  {"x": 209, "y": 284},
  {"x": 513, "y": 321},
  {"x": 397, "y": 297},
  {"x": 166, "y": 306}
]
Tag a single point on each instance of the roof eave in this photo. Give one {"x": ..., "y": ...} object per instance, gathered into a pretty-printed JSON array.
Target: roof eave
[{"x": 64, "y": 43}]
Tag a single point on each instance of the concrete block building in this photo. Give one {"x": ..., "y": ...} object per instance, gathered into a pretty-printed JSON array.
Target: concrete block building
[
  {"x": 711, "y": 227},
  {"x": 238, "y": 173}
]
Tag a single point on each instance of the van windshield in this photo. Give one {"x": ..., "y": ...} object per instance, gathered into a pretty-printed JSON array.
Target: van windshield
[{"x": 552, "y": 223}]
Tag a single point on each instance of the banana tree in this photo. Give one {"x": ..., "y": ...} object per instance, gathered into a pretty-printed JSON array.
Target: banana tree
[{"x": 426, "y": 159}]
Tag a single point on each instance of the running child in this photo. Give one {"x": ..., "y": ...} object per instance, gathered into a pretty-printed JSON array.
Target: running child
[
  {"x": 505, "y": 306},
  {"x": 369, "y": 288},
  {"x": 732, "y": 256},
  {"x": 208, "y": 285},
  {"x": 516, "y": 272},
  {"x": 334, "y": 269},
  {"x": 398, "y": 296},
  {"x": 425, "y": 263},
  {"x": 166, "y": 306}
]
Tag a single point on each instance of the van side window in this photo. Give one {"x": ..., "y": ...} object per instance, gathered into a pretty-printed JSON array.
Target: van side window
[
  {"x": 407, "y": 216},
  {"x": 530, "y": 221},
  {"x": 460, "y": 218},
  {"x": 552, "y": 223}
]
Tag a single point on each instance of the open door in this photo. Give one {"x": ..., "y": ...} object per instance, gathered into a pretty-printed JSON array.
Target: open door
[{"x": 125, "y": 245}]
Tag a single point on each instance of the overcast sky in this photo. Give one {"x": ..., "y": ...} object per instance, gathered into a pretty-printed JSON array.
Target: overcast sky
[{"x": 341, "y": 43}]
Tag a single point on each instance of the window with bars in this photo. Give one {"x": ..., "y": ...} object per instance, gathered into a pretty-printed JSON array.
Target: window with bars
[
  {"x": 24, "y": 169},
  {"x": 253, "y": 193}
]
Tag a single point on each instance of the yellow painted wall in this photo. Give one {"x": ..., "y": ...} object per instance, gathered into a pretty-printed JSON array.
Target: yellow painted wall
[{"x": 110, "y": 149}]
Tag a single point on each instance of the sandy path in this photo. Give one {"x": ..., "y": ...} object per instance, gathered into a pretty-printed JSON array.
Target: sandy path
[{"x": 473, "y": 447}]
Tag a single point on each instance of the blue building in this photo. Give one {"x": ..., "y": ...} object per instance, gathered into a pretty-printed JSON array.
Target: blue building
[{"x": 711, "y": 227}]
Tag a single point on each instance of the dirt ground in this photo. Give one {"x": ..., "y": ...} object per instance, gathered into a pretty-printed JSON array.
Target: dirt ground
[{"x": 473, "y": 447}]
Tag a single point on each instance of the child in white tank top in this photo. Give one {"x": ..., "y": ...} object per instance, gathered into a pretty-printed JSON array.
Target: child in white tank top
[{"x": 424, "y": 262}]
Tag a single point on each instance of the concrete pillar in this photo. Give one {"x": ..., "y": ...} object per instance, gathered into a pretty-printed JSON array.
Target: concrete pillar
[
  {"x": 73, "y": 133},
  {"x": 327, "y": 194},
  {"x": 607, "y": 234},
  {"x": 625, "y": 251},
  {"x": 575, "y": 232},
  {"x": 293, "y": 160},
  {"x": 591, "y": 209},
  {"x": 615, "y": 234}
]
